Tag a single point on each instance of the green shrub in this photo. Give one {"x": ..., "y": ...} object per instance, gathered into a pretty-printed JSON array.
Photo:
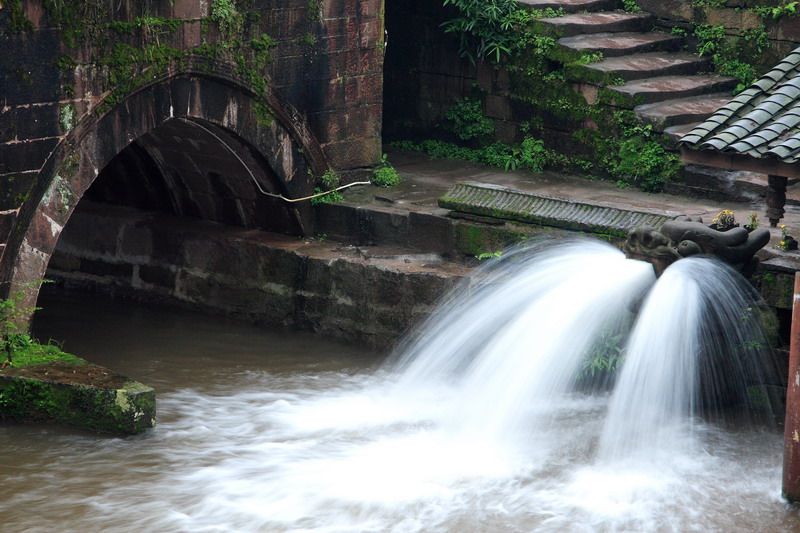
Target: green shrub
[
  {"x": 467, "y": 120},
  {"x": 384, "y": 174}
]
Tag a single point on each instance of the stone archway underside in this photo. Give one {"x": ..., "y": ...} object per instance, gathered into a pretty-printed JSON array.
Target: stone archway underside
[{"x": 210, "y": 141}]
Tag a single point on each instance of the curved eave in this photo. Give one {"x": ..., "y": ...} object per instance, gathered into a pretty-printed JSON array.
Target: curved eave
[{"x": 737, "y": 161}]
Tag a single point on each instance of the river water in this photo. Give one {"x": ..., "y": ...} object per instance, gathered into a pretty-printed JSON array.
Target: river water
[{"x": 273, "y": 431}]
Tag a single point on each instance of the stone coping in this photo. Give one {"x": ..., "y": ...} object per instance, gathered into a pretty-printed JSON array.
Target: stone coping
[{"x": 510, "y": 204}]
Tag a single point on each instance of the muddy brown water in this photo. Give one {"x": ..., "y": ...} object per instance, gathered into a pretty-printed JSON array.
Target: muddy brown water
[{"x": 273, "y": 431}]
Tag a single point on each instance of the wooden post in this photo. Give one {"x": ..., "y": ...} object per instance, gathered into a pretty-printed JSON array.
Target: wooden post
[
  {"x": 791, "y": 434},
  {"x": 776, "y": 198}
]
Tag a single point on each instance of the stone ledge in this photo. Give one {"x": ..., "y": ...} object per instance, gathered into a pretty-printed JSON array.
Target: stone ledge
[
  {"x": 509, "y": 204},
  {"x": 86, "y": 396}
]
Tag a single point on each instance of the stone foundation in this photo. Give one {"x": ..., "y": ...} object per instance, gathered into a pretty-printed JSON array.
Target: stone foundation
[{"x": 360, "y": 294}]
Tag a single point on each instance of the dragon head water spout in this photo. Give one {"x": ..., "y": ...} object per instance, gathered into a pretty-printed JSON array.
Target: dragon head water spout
[{"x": 687, "y": 236}]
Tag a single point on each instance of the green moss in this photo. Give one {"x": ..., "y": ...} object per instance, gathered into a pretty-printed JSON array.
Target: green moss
[
  {"x": 127, "y": 410},
  {"x": 41, "y": 354}
]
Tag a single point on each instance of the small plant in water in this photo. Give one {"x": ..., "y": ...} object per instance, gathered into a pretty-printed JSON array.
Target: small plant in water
[{"x": 489, "y": 255}]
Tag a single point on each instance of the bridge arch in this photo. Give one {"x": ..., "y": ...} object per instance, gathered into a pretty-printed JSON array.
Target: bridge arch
[{"x": 215, "y": 143}]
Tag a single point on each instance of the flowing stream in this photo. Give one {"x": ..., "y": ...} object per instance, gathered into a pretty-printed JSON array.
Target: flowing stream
[{"x": 473, "y": 426}]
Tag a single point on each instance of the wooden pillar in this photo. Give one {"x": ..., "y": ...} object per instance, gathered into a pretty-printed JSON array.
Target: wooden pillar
[
  {"x": 776, "y": 198},
  {"x": 791, "y": 431}
]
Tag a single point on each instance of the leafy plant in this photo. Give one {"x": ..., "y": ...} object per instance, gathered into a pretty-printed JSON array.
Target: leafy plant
[
  {"x": 329, "y": 198},
  {"x": 10, "y": 315},
  {"x": 725, "y": 219},
  {"x": 776, "y": 12},
  {"x": 224, "y": 13},
  {"x": 605, "y": 355},
  {"x": 641, "y": 160},
  {"x": 330, "y": 179},
  {"x": 492, "y": 28},
  {"x": 384, "y": 174},
  {"x": 467, "y": 120},
  {"x": 752, "y": 223},
  {"x": 630, "y": 6}
]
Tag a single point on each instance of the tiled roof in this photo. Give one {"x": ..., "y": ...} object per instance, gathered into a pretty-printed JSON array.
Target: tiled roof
[{"x": 761, "y": 121}]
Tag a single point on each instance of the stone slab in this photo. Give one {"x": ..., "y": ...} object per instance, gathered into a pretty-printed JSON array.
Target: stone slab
[
  {"x": 623, "y": 43},
  {"x": 86, "y": 396},
  {"x": 652, "y": 90},
  {"x": 638, "y": 66},
  {"x": 662, "y": 115},
  {"x": 579, "y": 23},
  {"x": 509, "y": 204}
]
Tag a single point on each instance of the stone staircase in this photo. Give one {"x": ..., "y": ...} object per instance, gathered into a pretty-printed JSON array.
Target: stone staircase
[
  {"x": 646, "y": 70},
  {"x": 650, "y": 73}
]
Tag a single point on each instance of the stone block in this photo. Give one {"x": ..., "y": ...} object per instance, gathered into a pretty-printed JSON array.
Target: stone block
[
  {"x": 158, "y": 275},
  {"x": 136, "y": 241},
  {"x": 108, "y": 270},
  {"x": 387, "y": 226},
  {"x": 354, "y": 153},
  {"x": 336, "y": 220},
  {"x": 497, "y": 107},
  {"x": 24, "y": 156},
  {"x": 102, "y": 401},
  {"x": 24, "y": 123},
  {"x": 430, "y": 233}
]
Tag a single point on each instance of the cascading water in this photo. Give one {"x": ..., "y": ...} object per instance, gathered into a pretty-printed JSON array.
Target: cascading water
[
  {"x": 474, "y": 427},
  {"x": 699, "y": 320},
  {"x": 513, "y": 348}
]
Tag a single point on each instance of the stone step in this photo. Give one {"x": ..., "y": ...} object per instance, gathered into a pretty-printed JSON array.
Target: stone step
[
  {"x": 571, "y": 6},
  {"x": 639, "y": 66},
  {"x": 652, "y": 90},
  {"x": 623, "y": 43},
  {"x": 668, "y": 113},
  {"x": 604, "y": 22},
  {"x": 674, "y": 133}
]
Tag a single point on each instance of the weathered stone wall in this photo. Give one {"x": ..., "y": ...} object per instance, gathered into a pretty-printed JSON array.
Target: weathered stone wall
[
  {"x": 294, "y": 86},
  {"x": 259, "y": 276},
  {"x": 735, "y": 16}
]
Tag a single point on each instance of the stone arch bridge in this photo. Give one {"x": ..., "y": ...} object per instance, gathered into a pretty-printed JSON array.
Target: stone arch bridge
[{"x": 187, "y": 107}]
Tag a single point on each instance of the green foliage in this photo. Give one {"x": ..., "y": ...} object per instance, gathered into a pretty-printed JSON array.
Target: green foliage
[
  {"x": 17, "y": 21},
  {"x": 467, "y": 120},
  {"x": 489, "y": 255},
  {"x": 630, "y": 6},
  {"x": 641, "y": 159},
  {"x": 329, "y": 198},
  {"x": 11, "y": 314},
  {"x": 384, "y": 174},
  {"x": 330, "y": 179},
  {"x": 743, "y": 57},
  {"x": 789, "y": 9},
  {"x": 224, "y": 13},
  {"x": 605, "y": 355},
  {"x": 493, "y": 28},
  {"x": 709, "y": 3},
  {"x": 530, "y": 154},
  {"x": 709, "y": 38}
]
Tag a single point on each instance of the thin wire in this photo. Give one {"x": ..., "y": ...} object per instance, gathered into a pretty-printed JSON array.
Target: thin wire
[{"x": 258, "y": 185}]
